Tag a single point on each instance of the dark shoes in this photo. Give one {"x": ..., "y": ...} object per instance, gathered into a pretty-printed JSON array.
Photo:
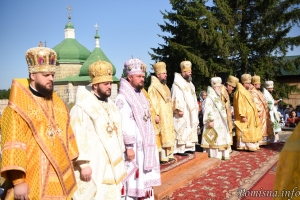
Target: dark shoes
[
  {"x": 182, "y": 154},
  {"x": 190, "y": 152},
  {"x": 163, "y": 162}
]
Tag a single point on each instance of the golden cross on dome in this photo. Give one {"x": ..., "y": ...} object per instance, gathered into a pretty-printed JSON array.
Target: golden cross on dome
[
  {"x": 45, "y": 43},
  {"x": 69, "y": 11},
  {"x": 96, "y": 26}
]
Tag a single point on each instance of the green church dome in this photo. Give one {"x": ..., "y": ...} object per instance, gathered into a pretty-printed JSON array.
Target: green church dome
[
  {"x": 69, "y": 25},
  {"x": 71, "y": 51},
  {"x": 97, "y": 52}
]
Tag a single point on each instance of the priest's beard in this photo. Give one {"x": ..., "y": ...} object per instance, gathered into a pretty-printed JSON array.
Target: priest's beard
[
  {"x": 218, "y": 91},
  {"x": 103, "y": 94},
  {"x": 44, "y": 91},
  {"x": 188, "y": 78},
  {"x": 164, "y": 81}
]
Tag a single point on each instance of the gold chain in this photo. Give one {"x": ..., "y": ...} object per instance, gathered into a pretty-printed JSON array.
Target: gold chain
[
  {"x": 109, "y": 128},
  {"x": 52, "y": 131}
]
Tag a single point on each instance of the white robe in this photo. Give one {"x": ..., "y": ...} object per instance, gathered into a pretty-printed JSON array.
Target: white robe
[
  {"x": 102, "y": 149},
  {"x": 217, "y": 146},
  {"x": 273, "y": 110},
  {"x": 146, "y": 155},
  {"x": 184, "y": 99}
]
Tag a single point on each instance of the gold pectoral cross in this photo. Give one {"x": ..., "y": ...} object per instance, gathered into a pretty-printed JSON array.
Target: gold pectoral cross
[{"x": 109, "y": 129}]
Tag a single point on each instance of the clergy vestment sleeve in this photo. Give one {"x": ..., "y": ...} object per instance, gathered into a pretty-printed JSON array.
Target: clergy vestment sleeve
[
  {"x": 15, "y": 137},
  {"x": 154, "y": 97},
  {"x": 242, "y": 111},
  {"x": 73, "y": 148},
  {"x": 209, "y": 111},
  {"x": 258, "y": 104},
  {"x": 177, "y": 98},
  {"x": 128, "y": 123},
  {"x": 80, "y": 122}
]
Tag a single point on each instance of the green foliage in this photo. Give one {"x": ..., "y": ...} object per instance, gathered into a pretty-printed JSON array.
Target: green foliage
[
  {"x": 232, "y": 37},
  {"x": 4, "y": 94}
]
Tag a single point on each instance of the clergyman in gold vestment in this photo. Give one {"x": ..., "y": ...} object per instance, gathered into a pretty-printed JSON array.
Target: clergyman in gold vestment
[
  {"x": 37, "y": 140},
  {"x": 262, "y": 109},
  {"x": 160, "y": 96},
  {"x": 287, "y": 181},
  {"x": 248, "y": 130}
]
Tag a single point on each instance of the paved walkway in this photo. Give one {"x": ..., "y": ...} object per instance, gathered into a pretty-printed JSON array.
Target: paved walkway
[{"x": 284, "y": 135}]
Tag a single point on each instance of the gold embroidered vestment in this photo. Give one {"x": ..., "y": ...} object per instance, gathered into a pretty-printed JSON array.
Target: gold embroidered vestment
[{"x": 46, "y": 161}]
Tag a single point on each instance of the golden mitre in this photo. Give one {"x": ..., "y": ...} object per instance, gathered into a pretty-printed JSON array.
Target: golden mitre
[
  {"x": 186, "y": 66},
  {"x": 101, "y": 71},
  {"x": 159, "y": 68},
  {"x": 41, "y": 59},
  {"x": 232, "y": 80},
  {"x": 246, "y": 78},
  {"x": 255, "y": 79}
]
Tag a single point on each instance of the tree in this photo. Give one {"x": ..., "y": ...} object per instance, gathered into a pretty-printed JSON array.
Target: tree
[
  {"x": 230, "y": 36},
  {"x": 4, "y": 94}
]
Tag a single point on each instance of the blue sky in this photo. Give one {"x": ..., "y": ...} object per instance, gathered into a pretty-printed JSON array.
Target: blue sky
[{"x": 126, "y": 28}]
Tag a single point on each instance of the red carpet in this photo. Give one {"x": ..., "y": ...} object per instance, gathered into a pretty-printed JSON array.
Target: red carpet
[
  {"x": 241, "y": 172},
  {"x": 264, "y": 187}
]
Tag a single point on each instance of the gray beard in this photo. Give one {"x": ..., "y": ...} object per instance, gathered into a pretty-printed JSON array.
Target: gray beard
[
  {"x": 163, "y": 82},
  {"x": 218, "y": 91},
  {"x": 188, "y": 78}
]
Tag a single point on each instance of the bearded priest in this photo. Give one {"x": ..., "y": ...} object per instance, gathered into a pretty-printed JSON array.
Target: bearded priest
[
  {"x": 96, "y": 121},
  {"x": 216, "y": 139}
]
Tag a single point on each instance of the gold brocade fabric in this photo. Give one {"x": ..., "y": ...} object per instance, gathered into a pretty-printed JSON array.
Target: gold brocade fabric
[
  {"x": 225, "y": 98},
  {"x": 26, "y": 146},
  {"x": 153, "y": 114},
  {"x": 244, "y": 106},
  {"x": 263, "y": 111},
  {"x": 287, "y": 181},
  {"x": 160, "y": 96}
]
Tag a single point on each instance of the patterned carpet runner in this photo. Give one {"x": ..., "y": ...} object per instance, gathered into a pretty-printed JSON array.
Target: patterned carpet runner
[
  {"x": 178, "y": 160},
  {"x": 239, "y": 174}
]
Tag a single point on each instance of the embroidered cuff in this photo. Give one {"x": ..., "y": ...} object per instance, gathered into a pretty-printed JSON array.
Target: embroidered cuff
[
  {"x": 128, "y": 146},
  {"x": 83, "y": 163},
  {"x": 18, "y": 181},
  {"x": 16, "y": 176}
]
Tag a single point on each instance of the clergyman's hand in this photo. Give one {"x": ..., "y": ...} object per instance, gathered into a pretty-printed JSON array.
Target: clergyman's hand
[
  {"x": 244, "y": 119},
  {"x": 157, "y": 119},
  {"x": 210, "y": 124},
  {"x": 180, "y": 114},
  {"x": 86, "y": 174},
  {"x": 130, "y": 154},
  {"x": 21, "y": 191}
]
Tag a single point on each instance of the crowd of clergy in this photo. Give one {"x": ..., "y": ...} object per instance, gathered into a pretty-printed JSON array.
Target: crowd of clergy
[{"x": 113, "y": 150}]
